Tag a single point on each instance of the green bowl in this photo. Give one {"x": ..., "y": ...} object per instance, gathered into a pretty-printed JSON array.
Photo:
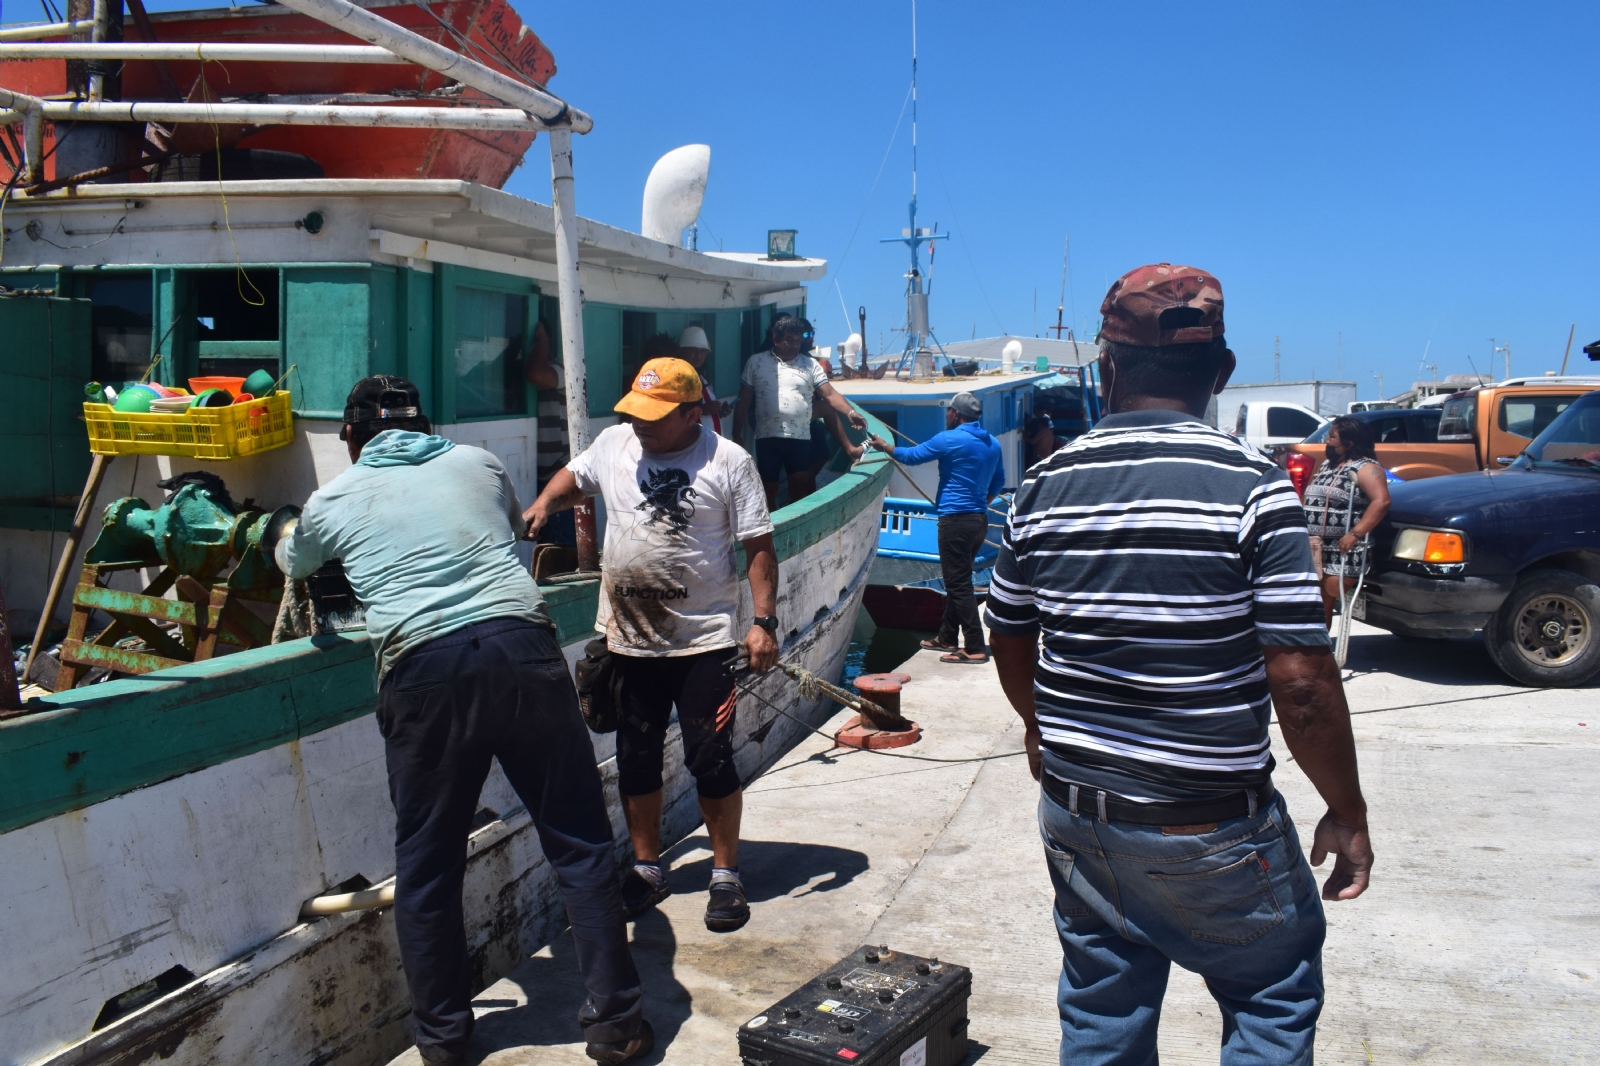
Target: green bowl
[
  {"x": 135, "y": 399},
  {"x": 213, "y": 398},
  {"x": 259, "y": 384}
]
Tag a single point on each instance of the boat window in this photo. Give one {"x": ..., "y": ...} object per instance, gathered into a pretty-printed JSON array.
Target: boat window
[
  {"x": 121, "y": 318},
  {"x": 1572, "y": 439},
  {"x": 489, "y": 349},
  {"x": 1530, "y": 416},
  {"x": 1288, "y": 422},
  {"x": 236, "y": 319},
  {"x": 637, "y": 328}
]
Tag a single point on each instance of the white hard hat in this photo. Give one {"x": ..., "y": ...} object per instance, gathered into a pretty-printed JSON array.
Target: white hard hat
[{"x": 694, "y": 337}]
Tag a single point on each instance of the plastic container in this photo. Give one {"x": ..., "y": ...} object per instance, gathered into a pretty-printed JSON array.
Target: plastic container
[
  {"x": 234, "y": 385},
  {"x": 202, "y": 433}
]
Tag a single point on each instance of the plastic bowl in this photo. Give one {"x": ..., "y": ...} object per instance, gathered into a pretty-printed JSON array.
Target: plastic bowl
[
  {"x": 136, "y": 399},
  {"x": 214, "y": 398},
  {"x": 171, "y": 405},
  {"x": 234, "y": 386}
]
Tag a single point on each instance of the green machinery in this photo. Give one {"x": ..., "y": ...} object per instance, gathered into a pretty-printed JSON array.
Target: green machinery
[{"x": 196, "y": 535}]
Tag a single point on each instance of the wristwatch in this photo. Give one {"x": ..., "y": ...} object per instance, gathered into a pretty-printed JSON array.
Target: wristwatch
[{"x": 769, "y": 622}]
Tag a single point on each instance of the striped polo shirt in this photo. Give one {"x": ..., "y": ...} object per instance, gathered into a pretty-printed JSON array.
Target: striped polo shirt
[{"x": 1156, "y": 555}]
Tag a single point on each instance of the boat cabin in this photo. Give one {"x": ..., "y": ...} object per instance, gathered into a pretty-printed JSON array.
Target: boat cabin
[{"x": 324, "y": 282}]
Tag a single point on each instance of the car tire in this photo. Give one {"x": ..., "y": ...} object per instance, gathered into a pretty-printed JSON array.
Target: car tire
[{"x": 1547, "y": 633}]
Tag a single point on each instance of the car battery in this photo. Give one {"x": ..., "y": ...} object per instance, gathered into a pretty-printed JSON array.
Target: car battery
[{"x": 876, "y": 1007}]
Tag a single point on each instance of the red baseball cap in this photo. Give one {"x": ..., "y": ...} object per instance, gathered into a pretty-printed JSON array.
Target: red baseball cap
[{"x": 1162, "y": 304}]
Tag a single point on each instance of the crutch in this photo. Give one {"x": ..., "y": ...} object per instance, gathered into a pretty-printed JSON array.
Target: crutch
[{"x": 1341, "y": 646}]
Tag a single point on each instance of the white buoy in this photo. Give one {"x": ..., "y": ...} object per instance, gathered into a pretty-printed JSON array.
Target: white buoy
[
  {"x": 674, "y": 192},
  {"x": 1009, "y": 356}
]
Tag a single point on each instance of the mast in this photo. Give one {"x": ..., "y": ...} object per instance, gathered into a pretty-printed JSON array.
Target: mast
[{"x": 913, "y": 238}]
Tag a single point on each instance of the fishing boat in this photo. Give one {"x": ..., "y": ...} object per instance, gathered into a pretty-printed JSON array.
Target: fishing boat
[{"x": 193, "y": 858}]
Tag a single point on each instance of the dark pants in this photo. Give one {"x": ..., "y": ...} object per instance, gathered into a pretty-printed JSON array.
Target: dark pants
[
  {"x": 960, "y": 537},
  {"x": 499, "y": 689},
  {"x": 701, "y": 687}
]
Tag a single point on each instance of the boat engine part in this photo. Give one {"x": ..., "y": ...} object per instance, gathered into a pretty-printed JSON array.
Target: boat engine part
[{"x": 193, "y": 538}]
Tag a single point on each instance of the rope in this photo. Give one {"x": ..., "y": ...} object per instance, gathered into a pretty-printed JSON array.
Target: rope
[{"x": 749, "y": 690}]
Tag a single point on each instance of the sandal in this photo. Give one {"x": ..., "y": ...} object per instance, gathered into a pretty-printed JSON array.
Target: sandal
[
  {"x": 978, "y": 658},
  {"x": 938, "y": 645}
]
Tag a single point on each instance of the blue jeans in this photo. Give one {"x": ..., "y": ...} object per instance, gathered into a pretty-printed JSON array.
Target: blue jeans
[{"x": 1236, "y": 904}]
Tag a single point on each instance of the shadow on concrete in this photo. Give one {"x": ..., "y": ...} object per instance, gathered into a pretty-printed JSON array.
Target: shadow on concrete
[
  {"x": 1435, "y": 662},
  {"x": 772, "y": 868},
  {"x": 975, "y": 1051},
  {"x": 554, "y": 993}
]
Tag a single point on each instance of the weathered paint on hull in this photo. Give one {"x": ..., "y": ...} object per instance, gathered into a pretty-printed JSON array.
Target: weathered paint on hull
[{"x": 108, "y": 895}]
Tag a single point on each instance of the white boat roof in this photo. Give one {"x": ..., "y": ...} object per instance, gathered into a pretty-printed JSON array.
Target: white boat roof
[
  {"x": 381, "y": 220},
  {"x": 888, "y": 390}
]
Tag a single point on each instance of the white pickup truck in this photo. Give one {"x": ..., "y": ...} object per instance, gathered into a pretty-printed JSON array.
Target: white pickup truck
[{"x": 1271, "y": 425}]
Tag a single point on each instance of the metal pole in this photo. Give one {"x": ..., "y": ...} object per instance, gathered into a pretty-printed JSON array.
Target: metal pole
[
  {"x": 225, "y": 52},
  {"x": 32, "y": 110},
  {"x": 80, "y": 521},
  {"x": 570, "y": 290},
  {"x": 1568, "y": 352},
  {"x": 45, "y": 29},
  {"x": 445, "y": 118},
  {"x": 101, "y": 32},
  {"x": 375, "y": 29}
]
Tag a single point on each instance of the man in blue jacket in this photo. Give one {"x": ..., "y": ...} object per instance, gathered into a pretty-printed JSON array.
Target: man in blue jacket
[{"x": 971, "y": 474}]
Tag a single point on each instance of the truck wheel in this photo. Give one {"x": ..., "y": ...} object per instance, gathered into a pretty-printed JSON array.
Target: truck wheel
[{"x": 1547, "y": 633}]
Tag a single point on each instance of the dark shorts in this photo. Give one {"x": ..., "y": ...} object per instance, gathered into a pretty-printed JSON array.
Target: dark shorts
[
  {"x": 776, "y": 456},
  {"x": 700, "y": 686}
]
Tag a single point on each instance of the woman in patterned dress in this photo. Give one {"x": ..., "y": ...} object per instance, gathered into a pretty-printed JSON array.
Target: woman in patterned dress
[{"x": 1347, "y": 498}]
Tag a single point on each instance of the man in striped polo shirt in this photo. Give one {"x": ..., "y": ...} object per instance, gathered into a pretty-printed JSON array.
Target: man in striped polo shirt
[{"x": 1167, "y": 569}]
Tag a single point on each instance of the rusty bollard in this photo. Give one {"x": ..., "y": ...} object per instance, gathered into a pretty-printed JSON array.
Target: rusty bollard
[{"x": 863, "y": 732}]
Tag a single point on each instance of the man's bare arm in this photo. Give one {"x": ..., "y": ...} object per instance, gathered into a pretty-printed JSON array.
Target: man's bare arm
[
  {"x": 560, "y": 493},
  {"x": 1016, "y": 658},
  {"x": 1309, "y": 699},
  {"x": 839, "y": 403},
  {"x": 762, "y": 556}
]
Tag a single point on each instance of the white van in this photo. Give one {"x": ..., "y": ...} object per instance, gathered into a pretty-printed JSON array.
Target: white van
[{"x": 1269, "y": 425}]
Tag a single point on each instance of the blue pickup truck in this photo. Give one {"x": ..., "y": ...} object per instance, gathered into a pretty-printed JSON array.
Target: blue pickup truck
[{"x": 1514, "y": 554}]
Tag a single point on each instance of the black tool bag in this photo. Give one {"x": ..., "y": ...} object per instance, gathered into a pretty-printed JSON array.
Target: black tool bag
[{"x": 599, "y": 687}]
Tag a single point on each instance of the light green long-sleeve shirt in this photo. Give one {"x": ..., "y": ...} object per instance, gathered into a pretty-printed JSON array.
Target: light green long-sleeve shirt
[{"x": 427, "y": 531}]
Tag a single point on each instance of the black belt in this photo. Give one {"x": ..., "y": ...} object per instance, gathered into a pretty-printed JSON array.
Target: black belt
[{"x": 1109, "y": 807}]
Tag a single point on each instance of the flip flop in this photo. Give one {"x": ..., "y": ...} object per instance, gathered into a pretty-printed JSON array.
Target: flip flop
[
  {"x": 938, "y": 645},
  {"x": 964, "y": 657}
]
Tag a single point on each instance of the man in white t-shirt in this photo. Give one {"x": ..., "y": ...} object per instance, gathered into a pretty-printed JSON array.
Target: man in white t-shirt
[
  {"x": 776, "y": 391},
  {"x": 679, "y": 499}
]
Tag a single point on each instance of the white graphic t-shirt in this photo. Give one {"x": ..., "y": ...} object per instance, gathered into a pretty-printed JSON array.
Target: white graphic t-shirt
[
  {"x": 783, "y": 394},
  {"x": 670, "y": 575}
]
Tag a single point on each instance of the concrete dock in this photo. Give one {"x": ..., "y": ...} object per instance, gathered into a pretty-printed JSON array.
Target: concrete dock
[{"x": 1479, "y": 940}]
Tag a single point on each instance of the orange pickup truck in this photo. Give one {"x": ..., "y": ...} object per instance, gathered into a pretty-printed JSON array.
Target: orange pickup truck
[{"x": 1481, "y": 429}]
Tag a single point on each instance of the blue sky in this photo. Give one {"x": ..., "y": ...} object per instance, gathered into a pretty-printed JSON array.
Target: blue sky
[{"x": 1399, "y": 174}]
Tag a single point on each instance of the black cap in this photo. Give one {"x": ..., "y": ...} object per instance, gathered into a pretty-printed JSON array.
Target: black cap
[{"x": 381, "y": 398}]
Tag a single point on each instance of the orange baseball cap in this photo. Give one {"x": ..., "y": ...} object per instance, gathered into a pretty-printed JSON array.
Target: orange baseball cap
[{"x": 662, "y": 384}]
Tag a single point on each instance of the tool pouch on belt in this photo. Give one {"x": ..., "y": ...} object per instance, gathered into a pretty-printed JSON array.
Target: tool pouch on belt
[{"x": 599, "y": 687}]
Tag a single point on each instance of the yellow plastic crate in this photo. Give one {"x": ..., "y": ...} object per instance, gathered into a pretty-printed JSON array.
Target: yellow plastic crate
[{"x": 203, "y": 432}]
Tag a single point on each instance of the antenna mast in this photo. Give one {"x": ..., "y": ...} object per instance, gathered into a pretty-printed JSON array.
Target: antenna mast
[
  {"x": 913, "y": 238},
  {"x": 1061, "y": 304}
]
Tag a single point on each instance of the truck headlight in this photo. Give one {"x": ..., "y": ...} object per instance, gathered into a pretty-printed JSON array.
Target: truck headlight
[{"x": 1428, "y": 546}]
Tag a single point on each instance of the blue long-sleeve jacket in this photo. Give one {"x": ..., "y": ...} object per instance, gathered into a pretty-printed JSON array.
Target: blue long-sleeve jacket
[{"x": 970, "y": 467}]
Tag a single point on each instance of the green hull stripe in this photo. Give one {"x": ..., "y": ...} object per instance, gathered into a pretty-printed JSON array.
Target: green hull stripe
[{"x": 94, "y": 743}]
